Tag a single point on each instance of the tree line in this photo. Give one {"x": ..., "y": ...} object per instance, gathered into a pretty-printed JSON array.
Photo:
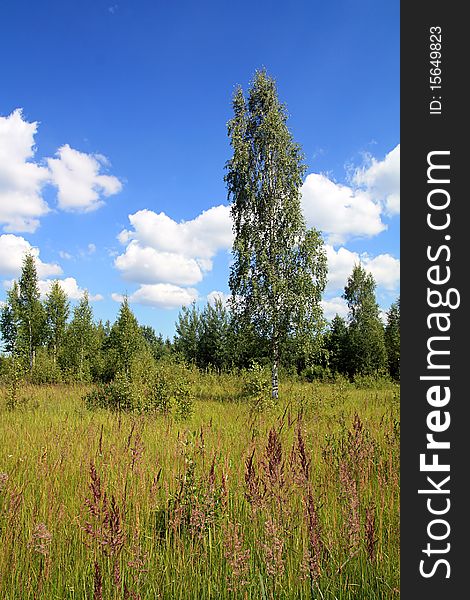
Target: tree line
[{"x": 49, "y": 341}]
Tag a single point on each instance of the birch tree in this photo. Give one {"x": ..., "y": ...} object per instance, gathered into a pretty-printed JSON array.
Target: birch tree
[{"x": 279, "y": 267}]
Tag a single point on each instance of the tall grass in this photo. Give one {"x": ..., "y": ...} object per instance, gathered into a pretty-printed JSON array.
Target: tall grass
[{"x": 300, "y": 501}]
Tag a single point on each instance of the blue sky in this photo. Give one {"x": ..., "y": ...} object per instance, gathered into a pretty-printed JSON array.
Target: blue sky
[{"x": 113, "y": 141}]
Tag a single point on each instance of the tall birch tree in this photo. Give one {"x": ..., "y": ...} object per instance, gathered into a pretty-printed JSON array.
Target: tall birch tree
[{"x": 279, "y": 267}]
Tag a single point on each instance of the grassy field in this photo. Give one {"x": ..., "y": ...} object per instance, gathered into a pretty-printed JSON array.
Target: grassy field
[{"x": 301, "y": 501}]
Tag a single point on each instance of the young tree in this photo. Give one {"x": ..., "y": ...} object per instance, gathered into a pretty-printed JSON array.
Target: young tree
[
  {"x": 30, "y": 310},
  {"x": 57, "y": 308},
  {"x": 125, "y": 338},
  {"x": 186, "y": 339},
  {"x": 367, "y": 353},
  {"x": 214, "y": 323},
  {"x": 80, "y": 339},
  {"x": 10, "y": 320},
  {"x": 336, "y": 343},
  {"x": 155, "y": 343},
  {"x": 279, "y": 269},
  {"x": 392, "y": 339}
]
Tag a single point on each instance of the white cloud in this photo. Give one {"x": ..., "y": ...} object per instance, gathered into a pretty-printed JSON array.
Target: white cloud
[
  {"x": 117, "y": 297},
  {"x": 338, "y": 210},
  {"x": 382, "y": 180},
  {"x": 147, "y": 265},
  {"x": 81, "y": 187},
  {"x": 161, "y": 295},
  {"x": 65, "y": 255},
  {"x": 21, "y": 180},
  {"x": 201, "y": 237},
  {"x": 91, "y": 248},
  {"x": 384, "y": 268},
  {"x": 334, "y": 306},
  {"x": 69, "y": 286},
  {"x": 342, "y": 211},
  {"x": 162, "y": 251},
  {"x": 13, "y": 249}
]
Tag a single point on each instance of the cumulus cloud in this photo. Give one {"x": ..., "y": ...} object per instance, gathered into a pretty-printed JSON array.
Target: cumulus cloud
[
  {"x": 161, "y": 250},
  {"x": 21, "y": 179},
  {"x": 338, "y": 210},
  {"x": 334, "y": 306},
  {"x": 69, "y": 286},
  {"x": 81, "y": 186},
  {"x": 201, "y": 237},
  {"x": 143, "y": 264},
  {"x": 382, "y": 180},
  {"x": 13, "y": 249},
  {"x": 350, "y": 211},
  {"x": 78, "y": 177},
  {"x": 161, "y": 295},
  {"x": 384, "y": 268}
]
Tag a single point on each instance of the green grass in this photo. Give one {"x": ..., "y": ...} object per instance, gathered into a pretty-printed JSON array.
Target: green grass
[{"x": 177, "y": 521}]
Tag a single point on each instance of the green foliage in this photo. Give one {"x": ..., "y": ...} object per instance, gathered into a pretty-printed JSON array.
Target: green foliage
[
  {"x": 45, "y": 369},
  {"x": 125, "y": 338},
  {"x": 370, "y": 381},
  {"x": 10, "y": 319},
  {"x": 213, "y": 349},
  {"x": 57, "y": 309},
  {"x": 14, "y": 375},
  {"x": 31, "y": 313},
  {"x": 279, "y": 268},
  {"x": 188, "y": 333},
  {"x": 337, "y": 345},
  {"x": 163, "y": 387},
  {"x": 80, "y": 342},
  {"x": 156, "y": 344},
  {"x": 118, "y": 395},
  {"x": 256, "y": 388},
  {"x": 392, "y": 340},
  {"x": 317, "y": 373},
  {"x": 366, "y": 343}
]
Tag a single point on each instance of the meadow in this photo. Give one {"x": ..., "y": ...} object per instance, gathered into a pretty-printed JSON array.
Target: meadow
[{"x": 300, "y": 500}]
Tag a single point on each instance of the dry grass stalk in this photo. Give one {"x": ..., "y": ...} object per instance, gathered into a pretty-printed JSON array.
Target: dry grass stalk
[
  {"x": 273, "y": 547},
  {"x": 237, "y": 557},
  {"x": 350, "y": 493},
  {"x": 3, "y": 481},
  {"x": 274, "y": 464},
  {"x": 255, "y": 490},
  {"x": 97, "y": 583},
  {"x": 311, "y": 564},
  {"x": 40, "y": 540},
  {"x": 370, "y": 538}
]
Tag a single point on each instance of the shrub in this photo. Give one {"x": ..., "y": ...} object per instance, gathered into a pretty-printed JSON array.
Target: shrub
[
  {"x": 379, "y": 379},
  {"x": 163, "y": 388},
  {"x": 317, "y": 373},
  {"x": 257, "y": 388},
  {"x": 116, "y": 395}
]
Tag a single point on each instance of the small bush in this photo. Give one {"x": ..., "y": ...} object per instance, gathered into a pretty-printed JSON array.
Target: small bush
[
  {"x": 257, "y": 388},
  {"x": 163, "y": 388},
  {"x": 368, "y": 382},
  {"x": 116, "y": 395},
  {"x": 317, "y": 373}
]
